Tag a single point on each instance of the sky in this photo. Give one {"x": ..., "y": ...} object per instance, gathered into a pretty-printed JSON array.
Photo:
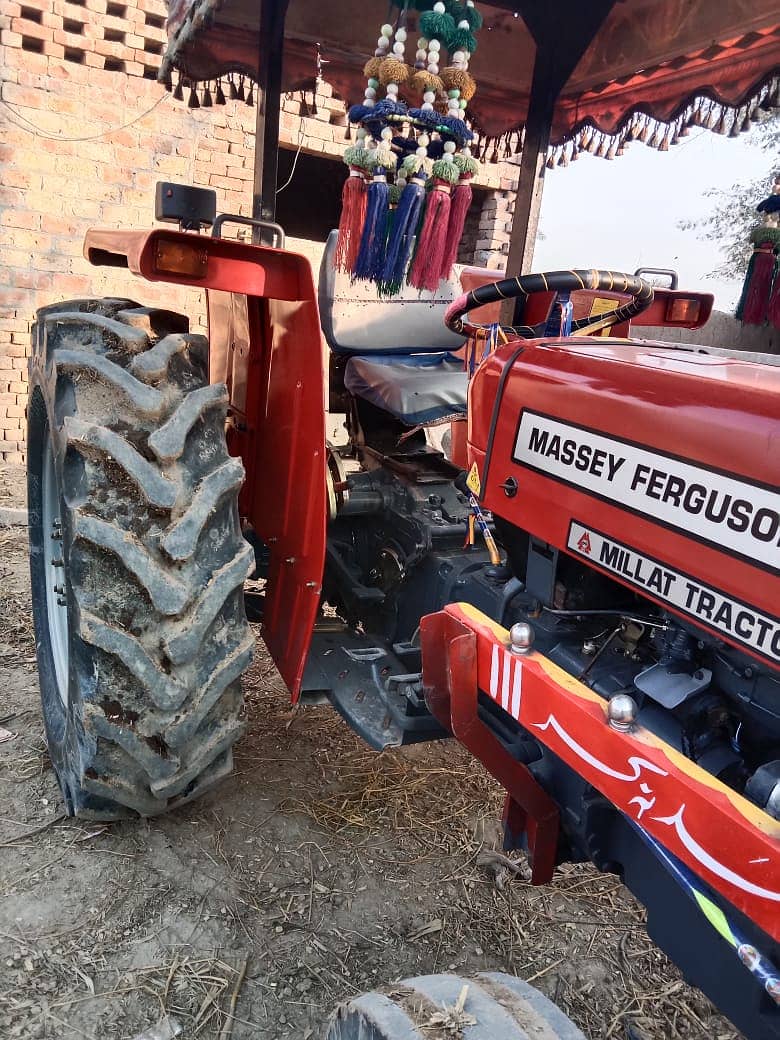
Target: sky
[{"x": 624, "y": 214}]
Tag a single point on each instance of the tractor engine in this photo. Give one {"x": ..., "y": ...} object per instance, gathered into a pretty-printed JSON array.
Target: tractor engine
[{"x": 635, "y": 491}]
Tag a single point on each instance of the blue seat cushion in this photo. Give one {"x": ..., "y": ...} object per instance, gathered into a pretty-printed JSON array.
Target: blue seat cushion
[{"x": 415, "y": 388}]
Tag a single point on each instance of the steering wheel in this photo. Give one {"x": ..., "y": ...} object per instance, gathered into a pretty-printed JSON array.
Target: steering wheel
[{"x": 641, "y": 293}]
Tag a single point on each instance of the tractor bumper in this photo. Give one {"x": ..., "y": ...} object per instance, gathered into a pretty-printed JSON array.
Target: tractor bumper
[{"x": 727, "y": 841}]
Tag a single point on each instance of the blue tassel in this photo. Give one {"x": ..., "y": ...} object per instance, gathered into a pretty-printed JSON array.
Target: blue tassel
[
  {"x": 371, "y": 254},
  {"x": 401, "y": 241}
]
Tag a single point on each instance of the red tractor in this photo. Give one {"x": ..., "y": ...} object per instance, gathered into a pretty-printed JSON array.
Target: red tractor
[{"x": 585, "y": 595}]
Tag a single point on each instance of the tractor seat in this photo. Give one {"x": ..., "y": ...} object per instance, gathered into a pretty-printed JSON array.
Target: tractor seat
[
  {"x": 417, "y": 389},
  {"x": 399, "y": 350}
]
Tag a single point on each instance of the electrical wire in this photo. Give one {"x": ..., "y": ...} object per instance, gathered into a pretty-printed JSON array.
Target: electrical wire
[
  {"x": 607, "y": 613},
  {"x": 19, "y": 120},
  {"x": 295, "y": 162}
]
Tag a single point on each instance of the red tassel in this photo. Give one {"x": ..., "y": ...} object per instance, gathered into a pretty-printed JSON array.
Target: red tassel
[
  {"x": 459, "y": 207},
  {"x": 433, "y": 239},
  {"x": 773, "y": 311},
  {"x": 353, "y": 215},
  {"x": 757, "y": 296}
]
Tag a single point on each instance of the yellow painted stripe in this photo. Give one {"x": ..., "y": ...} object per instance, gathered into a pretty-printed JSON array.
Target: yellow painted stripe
[{"x": 715, "y": 916}]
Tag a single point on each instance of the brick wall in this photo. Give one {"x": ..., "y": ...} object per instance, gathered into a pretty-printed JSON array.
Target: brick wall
[{"x": 72, "y": 74}]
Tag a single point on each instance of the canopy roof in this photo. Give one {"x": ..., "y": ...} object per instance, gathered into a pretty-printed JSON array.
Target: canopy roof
[{"x": 668, "y": 61}]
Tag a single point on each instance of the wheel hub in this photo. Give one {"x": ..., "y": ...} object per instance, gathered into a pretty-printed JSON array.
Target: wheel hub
[{"x": 54, "y": 567}]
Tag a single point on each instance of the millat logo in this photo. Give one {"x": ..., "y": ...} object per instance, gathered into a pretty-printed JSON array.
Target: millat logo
[{"x": 584, "y": 544}]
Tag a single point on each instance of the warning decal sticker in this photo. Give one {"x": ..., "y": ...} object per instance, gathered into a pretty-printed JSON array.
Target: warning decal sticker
[
  {"x": 718, "y": 508},
  {"x": 745, "y": 625}
]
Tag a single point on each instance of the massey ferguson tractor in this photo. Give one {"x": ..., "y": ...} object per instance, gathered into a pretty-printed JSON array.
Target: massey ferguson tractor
[{"x": 582, "y": 589}]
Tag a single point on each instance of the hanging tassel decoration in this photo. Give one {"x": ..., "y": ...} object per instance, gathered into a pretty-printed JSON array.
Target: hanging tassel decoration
[
  {"x": 773, "y": 310},
  {"x": 754, "y": 302},
  {"x": 401, "y": 241},
  {"x": 370, "y": 257},
  {"x": 459, "y": 207},
  {"x": 353, "y": 209},
  {"x": 219, "y": 96},
  {"x": 433, "y": 236}
]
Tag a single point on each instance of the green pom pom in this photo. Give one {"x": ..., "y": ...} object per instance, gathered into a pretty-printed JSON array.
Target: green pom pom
[
  {"x": 469, "y": 14},
  {"x": 436, "y": 26},
  {"x": 466, "y": 164},
  {"x": 460, "y": 40},
  {"x": 357, "y": 155},
  {"x": 446, "y": 171},
  {"x": 765, "y": 234}
]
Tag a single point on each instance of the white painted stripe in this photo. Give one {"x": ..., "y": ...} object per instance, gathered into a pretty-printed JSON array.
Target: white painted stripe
[
  {"x": 494, "y": 673},
  {"x": 506, "y": 670},
  {"x": 514, "y": 709}
]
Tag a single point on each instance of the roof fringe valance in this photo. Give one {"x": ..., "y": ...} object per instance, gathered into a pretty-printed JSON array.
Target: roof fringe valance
[{"x": 705, "y": 112}]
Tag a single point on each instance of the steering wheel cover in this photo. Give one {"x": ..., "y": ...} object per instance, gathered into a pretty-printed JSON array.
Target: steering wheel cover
[{"x": 551, "y": 281}]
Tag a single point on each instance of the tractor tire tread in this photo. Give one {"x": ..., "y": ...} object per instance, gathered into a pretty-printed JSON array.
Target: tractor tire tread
[{"x": 155, "y": 551}]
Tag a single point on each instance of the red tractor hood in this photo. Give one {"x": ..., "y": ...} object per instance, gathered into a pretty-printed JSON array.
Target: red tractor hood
[{"x": 657, "y": 466}]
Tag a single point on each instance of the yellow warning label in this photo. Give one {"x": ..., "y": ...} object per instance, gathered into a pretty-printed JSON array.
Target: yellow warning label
[
  {"x": 600, "y": 305},
  {"x": 472, "y": 481}
]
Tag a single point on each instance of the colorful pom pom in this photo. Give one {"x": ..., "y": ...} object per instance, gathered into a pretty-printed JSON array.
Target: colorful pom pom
[
  {"x": 460, "y": 39},
  {"x": 423, "y": 80},
  {"x": 372, "y": 67},
  {"x": 459, "y": 79},
  {"x": 393, "y": 70},
  {"x": 437, "y": 26}
]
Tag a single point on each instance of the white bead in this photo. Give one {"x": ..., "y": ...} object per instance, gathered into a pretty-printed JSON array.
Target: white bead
[
  {"x": 453, "y": 105},
  {"x": 469, "y": 3},
  {"x": 369, "y": 102},
  {"x": 449, "y": 146},
  {"x": 401, "y": 182},
  {"x": 387, "y": 134},
  {"x": 433, "y": 68},
  {"x": 447, "y": 157},
  {"x": 398, "y": 48},
  {"x": 392, "y": 89},
  {"x": 387, "y": 29},
  {"x": 439, "y": 7},
  {"x": 464, "y": 24},
  {"x": 426, "y": 106},
  {"x": 434, "y": 45},
  {"x": 458, "y": 56},
  {"x": 400, "y": 35},
  {"x": 422, "y": 43},
  {"x": 421, "y": 56},
  {"x": 370, "y": 92},
  {"x": 383, "y": 43},
  {"x": 422, "y": 152},
  {"x": 423, "y": 140},
  {"x": 430, "y": 96},
  {"x": 466, "y": 152}
]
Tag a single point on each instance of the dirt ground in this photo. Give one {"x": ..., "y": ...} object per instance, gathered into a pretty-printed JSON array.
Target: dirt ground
[{"x": 319, "y": 870}]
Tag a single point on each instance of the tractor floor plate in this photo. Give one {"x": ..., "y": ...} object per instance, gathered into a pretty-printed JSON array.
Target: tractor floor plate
[{"x": 370, "y": 686}]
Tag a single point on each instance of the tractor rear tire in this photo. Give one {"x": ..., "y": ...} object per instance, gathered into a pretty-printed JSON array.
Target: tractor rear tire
[
  {"x": 496, "y": 1005},
  {"x": 136, "y": 556}
]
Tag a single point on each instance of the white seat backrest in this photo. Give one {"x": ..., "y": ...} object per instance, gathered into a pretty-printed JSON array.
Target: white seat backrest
[{"x": 355, "y": 320}]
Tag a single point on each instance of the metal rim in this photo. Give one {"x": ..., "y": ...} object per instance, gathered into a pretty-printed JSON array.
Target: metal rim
[{"x": 54, "y": 571}]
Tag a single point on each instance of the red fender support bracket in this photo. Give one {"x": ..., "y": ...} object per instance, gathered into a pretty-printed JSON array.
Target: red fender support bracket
[
  {"x": 450, "y": 679},
  {"x": 727, "y": 841}
]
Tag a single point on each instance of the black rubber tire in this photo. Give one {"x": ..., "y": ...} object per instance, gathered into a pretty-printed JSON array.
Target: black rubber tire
[
  {"x": 498, "y": 1006},
  {"x": 153, "y": 558}
]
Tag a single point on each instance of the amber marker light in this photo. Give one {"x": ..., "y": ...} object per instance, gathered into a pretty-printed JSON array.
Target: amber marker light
[
  {"x": 172, "y": 257},
  {"x": 682, "y": 311}
]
